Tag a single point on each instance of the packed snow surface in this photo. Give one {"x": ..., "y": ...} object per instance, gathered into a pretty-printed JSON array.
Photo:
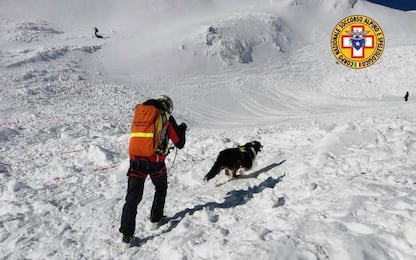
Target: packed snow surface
[{"x": 336, "y": 178}]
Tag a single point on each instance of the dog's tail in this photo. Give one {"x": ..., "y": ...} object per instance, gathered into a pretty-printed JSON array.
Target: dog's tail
[{"x": 214, "y": 171}]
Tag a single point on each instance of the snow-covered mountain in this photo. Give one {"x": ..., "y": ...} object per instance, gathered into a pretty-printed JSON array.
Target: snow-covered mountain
[{"x": 336, "y": 178}]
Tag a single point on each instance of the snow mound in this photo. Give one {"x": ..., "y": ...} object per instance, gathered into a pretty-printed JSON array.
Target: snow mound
[
  {"x": 237, "y": 38},
  {"x": 344, "y": 136},
  {"x": 32, "y": 31},
  {"x": 99, "y": 155}
]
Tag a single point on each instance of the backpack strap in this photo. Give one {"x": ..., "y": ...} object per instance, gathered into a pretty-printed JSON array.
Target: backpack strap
[{"x": 163, "y": 147}]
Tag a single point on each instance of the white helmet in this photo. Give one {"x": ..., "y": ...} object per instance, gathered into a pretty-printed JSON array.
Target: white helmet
[{"x": 167, "y": 103}]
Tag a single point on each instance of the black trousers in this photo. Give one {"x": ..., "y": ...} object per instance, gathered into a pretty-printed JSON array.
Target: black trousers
[{"x": 137, "y": 175}]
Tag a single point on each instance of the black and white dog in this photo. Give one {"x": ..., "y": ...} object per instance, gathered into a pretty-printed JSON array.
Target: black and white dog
[{"x": 233, "y": 159}]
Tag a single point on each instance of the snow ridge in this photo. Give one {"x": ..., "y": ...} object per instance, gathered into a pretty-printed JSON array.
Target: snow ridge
[{"x": 236, "y": 38}]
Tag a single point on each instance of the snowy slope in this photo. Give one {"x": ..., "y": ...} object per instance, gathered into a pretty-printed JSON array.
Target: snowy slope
[{"x": 336, "y": 179}]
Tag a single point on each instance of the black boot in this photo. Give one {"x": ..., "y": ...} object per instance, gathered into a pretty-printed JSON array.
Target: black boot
[{"x": 127, "y": 239}]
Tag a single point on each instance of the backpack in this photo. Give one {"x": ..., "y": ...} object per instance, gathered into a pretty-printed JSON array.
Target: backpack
[{"x": 148, "y": 132}]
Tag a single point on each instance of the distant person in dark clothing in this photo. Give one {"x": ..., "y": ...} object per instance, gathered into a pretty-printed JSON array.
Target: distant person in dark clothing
[
  {"x": 96, "y": 33},
  {"x": 406, "y": 97}
]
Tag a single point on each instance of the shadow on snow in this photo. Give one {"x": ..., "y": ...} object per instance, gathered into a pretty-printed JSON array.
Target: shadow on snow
[{"x": 234, "y": 198}]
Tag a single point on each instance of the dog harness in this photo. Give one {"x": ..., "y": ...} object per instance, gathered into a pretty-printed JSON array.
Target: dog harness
[{"x": 243, "y": 150}]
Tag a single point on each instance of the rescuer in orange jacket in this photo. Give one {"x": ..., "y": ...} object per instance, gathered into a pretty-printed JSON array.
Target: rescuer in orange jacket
[{"x": 154, "y": 166}]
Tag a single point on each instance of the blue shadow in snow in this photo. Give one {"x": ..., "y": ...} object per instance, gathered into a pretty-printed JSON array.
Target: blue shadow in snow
[{"x": 233, "y": 198}]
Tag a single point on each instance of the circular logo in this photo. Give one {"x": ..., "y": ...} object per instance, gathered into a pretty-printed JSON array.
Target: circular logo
[{"x": 357, "y": 41}]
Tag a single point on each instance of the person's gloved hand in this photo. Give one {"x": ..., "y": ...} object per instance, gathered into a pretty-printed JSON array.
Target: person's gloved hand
[{"x": 183, "y": 126}]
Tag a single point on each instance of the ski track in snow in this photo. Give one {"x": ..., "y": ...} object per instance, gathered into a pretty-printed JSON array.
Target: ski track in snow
[{"x": 335, "y": 180}]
